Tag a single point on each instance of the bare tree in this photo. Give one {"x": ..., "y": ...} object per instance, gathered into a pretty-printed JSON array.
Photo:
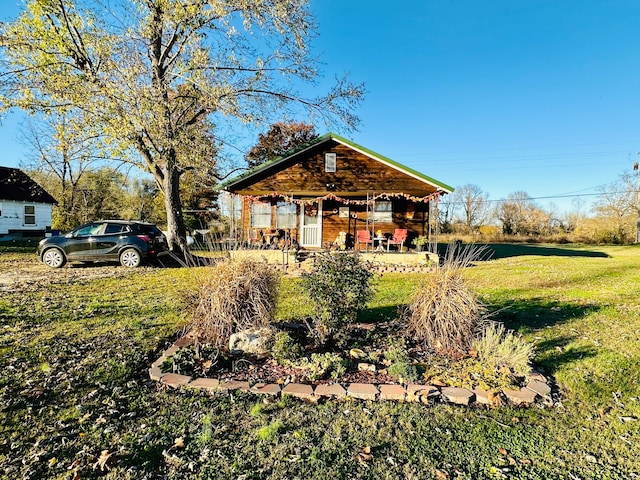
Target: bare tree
[
  {"x": 472, "y": 204},
  {"x": 64, "y": 152},
  {"x": 616, "y": 202}
]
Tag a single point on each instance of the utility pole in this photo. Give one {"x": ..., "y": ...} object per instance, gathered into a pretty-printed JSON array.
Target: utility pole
[{"x": 636, "y": 167}]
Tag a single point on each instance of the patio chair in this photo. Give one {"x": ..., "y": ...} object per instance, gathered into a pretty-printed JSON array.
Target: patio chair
[
  {"x": 399, "y": 237},
  {"x": 256, "y": 238},
  {"x": 364, "y": 238}
]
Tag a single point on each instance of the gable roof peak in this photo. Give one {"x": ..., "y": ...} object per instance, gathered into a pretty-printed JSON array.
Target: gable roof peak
[
  {"x": 327, "y": 137},
  {"x": 18, "y": 186}
]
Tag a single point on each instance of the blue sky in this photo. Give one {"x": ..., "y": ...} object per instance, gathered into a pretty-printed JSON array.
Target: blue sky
[{"x": 540, "y": 96}]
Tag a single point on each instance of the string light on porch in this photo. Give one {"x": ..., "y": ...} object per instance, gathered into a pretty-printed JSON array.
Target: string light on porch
[{"x": 346, "y": 201}]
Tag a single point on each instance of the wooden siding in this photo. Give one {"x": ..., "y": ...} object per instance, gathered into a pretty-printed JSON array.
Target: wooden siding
[
  {"x": 333, "y": 224},
  {"x": 356, "y": 174}
]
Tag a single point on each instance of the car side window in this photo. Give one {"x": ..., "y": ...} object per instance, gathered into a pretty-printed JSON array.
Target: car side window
[
  {"x": 91, "y": 229},
  {"x": 114, "y": 228}
]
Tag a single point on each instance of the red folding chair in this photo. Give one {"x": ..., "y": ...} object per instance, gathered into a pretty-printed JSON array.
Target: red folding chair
[
  {"x": 399, "y": 237},
  {"x": 364, "y": 238}
]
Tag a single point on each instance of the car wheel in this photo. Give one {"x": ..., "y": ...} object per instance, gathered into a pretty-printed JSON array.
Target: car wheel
[
  {"x": 130, "y": 258},
  {"x": 54, "y": 258}
]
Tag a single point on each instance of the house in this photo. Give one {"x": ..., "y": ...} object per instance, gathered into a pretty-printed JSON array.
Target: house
[
  {"x": 327, "y": 190},
  {"x": 25, "y": 207}
]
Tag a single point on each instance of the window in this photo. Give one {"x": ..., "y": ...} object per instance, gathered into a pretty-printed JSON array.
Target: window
[
  {"x": 330, "y": 162},
  {"x": 382, "y": 212},
  {"x": 286, "y": 215},
  {"x": 88, "y": 230},
  {"x": 29, "y": 215},
  {"x": 115, "y": 228},
  {"x": 260, "y": 215}
]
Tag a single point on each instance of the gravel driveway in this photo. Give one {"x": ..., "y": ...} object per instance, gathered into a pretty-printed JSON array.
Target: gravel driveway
[{"x": 24, "y": 271}]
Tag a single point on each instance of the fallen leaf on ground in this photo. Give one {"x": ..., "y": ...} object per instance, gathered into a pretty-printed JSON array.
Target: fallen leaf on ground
[
  {"x": 440, "y": 475},
  {"x": 364, "y": 455},
  {"x": 102, "y": 461}
]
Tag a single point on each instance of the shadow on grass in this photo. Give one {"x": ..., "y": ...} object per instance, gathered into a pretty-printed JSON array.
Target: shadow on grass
[
  {"x": 379, "y": 314},
  {"x": 553, "y": 353},
  {"x": 506, "y": 250},
  {"x": 529, "y": 315}
]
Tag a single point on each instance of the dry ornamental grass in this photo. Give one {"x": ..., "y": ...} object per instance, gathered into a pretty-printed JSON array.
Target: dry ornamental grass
[
  {"x": 445, "y": 313},
  {"x": 232, "y": 296}
]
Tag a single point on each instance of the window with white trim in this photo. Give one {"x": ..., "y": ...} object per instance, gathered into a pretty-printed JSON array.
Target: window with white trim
[
  {"x": 29, "y": 214},
  {"x": 260, "y": 215},
  {"x": 286, "y": 216},
  {"x": 330, "y": 162},
  {"x": 383, "y": 212}
]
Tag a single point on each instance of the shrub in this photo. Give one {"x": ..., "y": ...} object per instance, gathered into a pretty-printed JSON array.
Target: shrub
[
  {"x": 502, "y": 349},
  {"x": 285, "y": 349},
  {"x": 401, "y": 366},
  {"x": 232, "y": 296},
  {"x": 445, "y": 313},
  {"x": 323, "y": 365},
  {"x": 339, "y": 287},
  {"x": 196, "y": 361}
]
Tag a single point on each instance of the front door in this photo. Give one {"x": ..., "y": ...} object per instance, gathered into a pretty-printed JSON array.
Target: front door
[{"x": 311, "y": 225}]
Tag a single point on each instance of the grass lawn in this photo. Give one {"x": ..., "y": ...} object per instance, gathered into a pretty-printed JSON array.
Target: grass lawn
[{"x": 76, "y": 402}]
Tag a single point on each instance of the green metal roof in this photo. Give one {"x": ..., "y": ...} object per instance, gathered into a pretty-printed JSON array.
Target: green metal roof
[{"x": 324, "y": 138}]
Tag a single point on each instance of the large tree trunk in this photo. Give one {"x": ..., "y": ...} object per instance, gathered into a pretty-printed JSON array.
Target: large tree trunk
[{"x": 176, "y": 230}]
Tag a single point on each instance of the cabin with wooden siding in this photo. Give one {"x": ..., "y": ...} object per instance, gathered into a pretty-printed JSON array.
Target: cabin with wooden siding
[{"x": 321, "y": 194}]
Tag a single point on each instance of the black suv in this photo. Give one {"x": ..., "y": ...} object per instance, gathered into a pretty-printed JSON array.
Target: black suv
[{"x": 106, "y": 240}]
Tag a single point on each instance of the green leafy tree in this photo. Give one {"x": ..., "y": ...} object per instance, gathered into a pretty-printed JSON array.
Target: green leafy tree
[
  {"x": 156, "y": 75},
  {"x": 281, "y": 138}
]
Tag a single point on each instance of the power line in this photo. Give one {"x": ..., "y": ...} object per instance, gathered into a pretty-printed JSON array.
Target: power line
[{"x": 547, "y": 197}]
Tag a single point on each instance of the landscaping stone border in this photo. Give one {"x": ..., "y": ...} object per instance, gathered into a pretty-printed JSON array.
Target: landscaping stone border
[{"x": 537, "y": 388}]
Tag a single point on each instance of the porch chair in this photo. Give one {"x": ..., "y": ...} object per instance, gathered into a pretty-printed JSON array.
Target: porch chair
[
  {"x": 364, "y": 237},
  {"x": 256, "y": 238},
  {"x": 399, "y": 237}
]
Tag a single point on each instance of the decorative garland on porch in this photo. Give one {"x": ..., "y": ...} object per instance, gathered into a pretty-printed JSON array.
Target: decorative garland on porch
[{"x": 346, "y": 201}]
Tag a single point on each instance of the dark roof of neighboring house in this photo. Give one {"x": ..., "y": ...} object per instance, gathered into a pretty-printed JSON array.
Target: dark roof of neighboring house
[
  {"x": 17, "y": 185},
  {"x": 299, "y": 152}
]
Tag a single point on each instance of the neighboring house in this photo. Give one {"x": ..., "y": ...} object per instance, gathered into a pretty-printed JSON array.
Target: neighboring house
[
  {"x": 330, "y": 188},
  {"x": 25, "y": 207}
]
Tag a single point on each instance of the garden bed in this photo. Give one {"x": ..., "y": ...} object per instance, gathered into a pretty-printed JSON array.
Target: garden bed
[{"x": 459, "y": 382}]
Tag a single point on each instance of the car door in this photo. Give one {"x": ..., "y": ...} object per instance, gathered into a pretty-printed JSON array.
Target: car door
[
  {"x": 81, "y": 241},
  {"x": 107, "y": 244}
]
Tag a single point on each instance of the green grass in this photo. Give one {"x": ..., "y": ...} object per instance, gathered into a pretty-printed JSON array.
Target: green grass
[{"x": 73, "y": 382}]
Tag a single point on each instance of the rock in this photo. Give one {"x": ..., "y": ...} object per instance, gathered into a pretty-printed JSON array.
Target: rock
[
  {"x": 366, "y": 367},
  {"x": 364, "y": 391},
  {"x": 540, "y": 388},
  {"x": 357, "y": 353},
  {"x": 460, "y": 396},
  {"x": 524, "y": 396},
  {"x": 252, "y": 342},
  {"x": 392, "y": 392},
  {"x": 330, "y": 390}
]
